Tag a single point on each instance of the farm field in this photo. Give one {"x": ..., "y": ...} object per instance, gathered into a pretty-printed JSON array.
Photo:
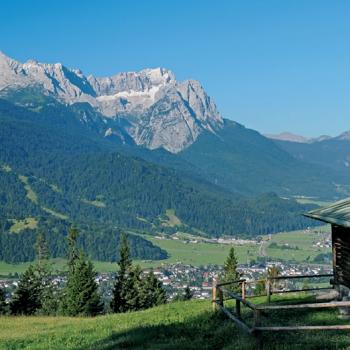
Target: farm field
[
  {"x": 209, "y": 253},
  {"x": 202, "y": 253},
  {"x": 302, "y": 240},
  {"x": 181, "y": 325}
]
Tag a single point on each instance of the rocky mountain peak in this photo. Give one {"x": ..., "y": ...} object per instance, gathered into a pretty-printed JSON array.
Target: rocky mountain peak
[{"x": 160, "y": 111}]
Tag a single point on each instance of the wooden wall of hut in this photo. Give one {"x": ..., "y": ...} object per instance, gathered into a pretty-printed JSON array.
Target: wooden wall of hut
[{"x": 341, "y": 255}]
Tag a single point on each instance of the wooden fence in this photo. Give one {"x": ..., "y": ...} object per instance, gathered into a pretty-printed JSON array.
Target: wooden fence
[{"x": 221, "y": 293}]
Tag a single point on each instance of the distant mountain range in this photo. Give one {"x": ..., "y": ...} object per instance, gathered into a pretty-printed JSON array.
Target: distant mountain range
[
  {"x": 151, "y": 107},
  {"x": 152, "y": 110},
  {"x": 287, "y": 136},
  {"x": 332, "y": 153}
]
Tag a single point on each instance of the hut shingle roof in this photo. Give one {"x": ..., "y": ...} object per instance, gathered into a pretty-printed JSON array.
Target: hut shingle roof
[{"x": 337, "y": 213}]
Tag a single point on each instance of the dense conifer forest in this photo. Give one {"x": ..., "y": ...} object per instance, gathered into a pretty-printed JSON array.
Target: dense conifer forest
[{"x": 54, "y": 173}]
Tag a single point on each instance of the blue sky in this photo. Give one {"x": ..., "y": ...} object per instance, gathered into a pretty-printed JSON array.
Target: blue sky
[{"x": 271, "y": 65}]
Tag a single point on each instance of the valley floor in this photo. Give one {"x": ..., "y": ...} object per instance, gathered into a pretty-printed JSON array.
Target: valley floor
[
  {"x": 307, "y": 245},
  {"x": 182, "y": 325}
]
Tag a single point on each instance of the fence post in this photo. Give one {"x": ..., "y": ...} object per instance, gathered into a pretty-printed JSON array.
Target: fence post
[
  {"x": 243, "y": 290},
  {"x": 215, "y": 293},
  {"x": 268, "y": 290},
  {"x": 221, "y": 297},
  {"x": 257, "y": 333},
  {"x": 238, "y": 308}
]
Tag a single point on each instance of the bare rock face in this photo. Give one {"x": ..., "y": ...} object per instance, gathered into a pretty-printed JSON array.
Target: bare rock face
[
  {"x": 168, "y": 123},
  {"x": 161, "y": 112}
]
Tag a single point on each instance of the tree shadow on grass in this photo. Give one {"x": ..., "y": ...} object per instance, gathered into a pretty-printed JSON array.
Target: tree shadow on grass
[
  {"x": 210, "y": 331},
  {"x": 326, "y": 339},
  {"x": 215, "y": 331}
]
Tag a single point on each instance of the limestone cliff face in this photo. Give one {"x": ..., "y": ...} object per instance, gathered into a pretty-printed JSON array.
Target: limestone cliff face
[{"x": 160, "y": 111}]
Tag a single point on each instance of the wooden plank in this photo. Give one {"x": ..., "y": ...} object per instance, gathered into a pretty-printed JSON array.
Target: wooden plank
[
  {"x": 238, "y": 297},
  {"x": 255, "y": 281},
  {"x": 289, "y": 277},
  {"x": 299, "y": 276},
  {"x": 239, "y": 323},
  {"x": 302, "y": 328},
  {"x": 300, "y": 290},
  {"x": 305, "y": 306},
  {"x": 214, "y": 296},
  {"x": 232, "y": 282},
  {"x": 334, "y": 253}
]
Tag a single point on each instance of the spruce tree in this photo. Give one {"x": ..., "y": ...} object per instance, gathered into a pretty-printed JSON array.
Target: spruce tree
[
  {"x": 188, "y": 294},
  {"x": 80, "y": 295},
  {"x": 49, "y": 292},
  {"x": 50, "y": 300},
  {"x": 133, "y": 283},
  {"x": 230, "y": 271},
  {"x": 183, "y": 296},
  {"x": 132, "y": 291},
  {"x": 3, "y": 304},
  {"x": 124, "y": 281},
  {"x": 73, "y": 250},
  {"x": 152, "y": 291},
  {"x": 41, "y": 249},
  {"x": 27, "y": 297}
]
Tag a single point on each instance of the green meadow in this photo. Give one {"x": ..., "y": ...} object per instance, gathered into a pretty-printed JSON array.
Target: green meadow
[{"x": 181, "y": 325}]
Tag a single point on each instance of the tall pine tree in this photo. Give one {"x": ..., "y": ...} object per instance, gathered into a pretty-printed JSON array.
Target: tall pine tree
[
  {"x": 152, "y": 291},
  {"x": 230, "y": 271},
  {"x": 42, "y": 253},
  {"x": 32, "y": 291},
  {"x": 27, "y": 297},
  {"x": 3, "y": 304},
  {"x": 188, "y": 293},
  {"x": 124, "y": 286},
  {"x": 132, "y": 291},
  {"x": 49, "y": 292},
  {"x": 80, "y": 295}
]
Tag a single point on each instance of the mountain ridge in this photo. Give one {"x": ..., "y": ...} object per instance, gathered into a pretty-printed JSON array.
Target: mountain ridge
[
  {"x": 290, "y": 137},
  {"x": 161, "y": 112}
]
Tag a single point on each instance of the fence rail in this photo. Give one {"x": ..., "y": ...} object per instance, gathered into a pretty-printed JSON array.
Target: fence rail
[{"x": 262, "y": 310}]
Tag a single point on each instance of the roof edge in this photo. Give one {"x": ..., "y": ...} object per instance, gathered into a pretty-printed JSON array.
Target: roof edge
[{"x": 328, "y": 220}]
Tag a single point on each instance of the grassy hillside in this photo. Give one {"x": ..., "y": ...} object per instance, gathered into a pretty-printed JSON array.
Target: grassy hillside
[{"x": 183, "y": 325}]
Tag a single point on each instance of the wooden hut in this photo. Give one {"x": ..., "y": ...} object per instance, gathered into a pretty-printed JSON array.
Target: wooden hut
[{"x": 338, "y": 215}]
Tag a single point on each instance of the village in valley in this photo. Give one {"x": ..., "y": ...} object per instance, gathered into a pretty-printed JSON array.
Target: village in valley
[{"x": 177, "y": 276}]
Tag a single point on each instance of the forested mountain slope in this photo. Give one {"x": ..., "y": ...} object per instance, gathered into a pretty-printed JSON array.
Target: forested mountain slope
[
  {"x": 243, "y": 160},
  {"x": 51, "y": 169},
  {"x": 332, "y": 153}
]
